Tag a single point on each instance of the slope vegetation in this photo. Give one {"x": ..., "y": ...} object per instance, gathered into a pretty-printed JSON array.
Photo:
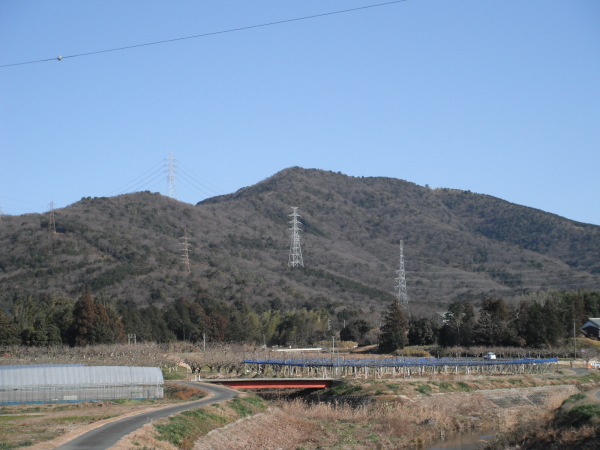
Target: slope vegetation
[{"x": 458, "y": 246}]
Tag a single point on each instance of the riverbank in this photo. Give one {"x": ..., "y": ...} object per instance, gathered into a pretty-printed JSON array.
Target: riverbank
[
  {"x": 575, "y": 424},
  {"x": 386, "y": 423}
]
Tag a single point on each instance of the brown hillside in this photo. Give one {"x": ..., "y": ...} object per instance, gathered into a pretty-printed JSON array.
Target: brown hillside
[{"x": 458, "y": 245}]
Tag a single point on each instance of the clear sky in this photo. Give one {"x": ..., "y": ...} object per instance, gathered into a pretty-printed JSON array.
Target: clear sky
[{"x": 500, "y": 97}]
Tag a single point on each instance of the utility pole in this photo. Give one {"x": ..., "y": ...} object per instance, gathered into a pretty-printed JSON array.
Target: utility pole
[
  {"x": 574, "y": 342},
  {"x": 295, "y": 259},
  {"x": 184, "y": 248},
  {"x": 204, "y": 341},
  {"x": 51, "y": 223},
  {"x": 170, "y": 171},
  {"x": 402, "y": 295},
  {"x": 332, "y": 348}
]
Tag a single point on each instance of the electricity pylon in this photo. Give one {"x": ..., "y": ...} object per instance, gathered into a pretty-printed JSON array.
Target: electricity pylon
[
  {"x": 51, "y": 223},
  {"x": 402, "y": 295},
  {"x": 295, "y": 250},
  {"x": 184, "y": 249},
  {"x": 170, "y": 171}
]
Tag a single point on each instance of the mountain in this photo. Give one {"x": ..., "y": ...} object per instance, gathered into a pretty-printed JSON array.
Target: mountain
[{"x": 457, "y": 246}]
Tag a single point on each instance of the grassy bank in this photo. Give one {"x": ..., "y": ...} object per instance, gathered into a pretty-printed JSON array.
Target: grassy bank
[
  {"x": 575, "y": 424},
  {"x": 181, "y": 431},
  {"x": 385, "y": 424},
  {"x": 448, "y": 384}
]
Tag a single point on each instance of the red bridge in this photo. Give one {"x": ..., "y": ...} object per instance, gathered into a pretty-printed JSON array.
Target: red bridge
[{"x": 281, "y": 383}]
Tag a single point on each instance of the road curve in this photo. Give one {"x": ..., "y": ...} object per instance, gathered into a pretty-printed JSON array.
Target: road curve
[{"x": 108, "y": 435}]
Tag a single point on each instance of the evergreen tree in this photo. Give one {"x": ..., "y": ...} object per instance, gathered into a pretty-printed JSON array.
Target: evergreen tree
[
  {"x": 423, "y": 332},
  {"x": 84, "y": 314},
  {"x": 354, "y": 331},
  {"x": 10, "y": 332},
  {"x": 393, "y": 331},
  {"x": 102, "y": 332}
]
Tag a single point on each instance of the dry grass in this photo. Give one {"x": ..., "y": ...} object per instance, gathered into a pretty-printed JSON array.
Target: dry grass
[
  {"x": 383, "y": 425},
  {"x": 272, "y": 431},
  {"x": 559, "y": 427}
]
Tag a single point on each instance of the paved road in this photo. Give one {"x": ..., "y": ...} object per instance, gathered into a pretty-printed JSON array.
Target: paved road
[{"x": 108, "y": 435}]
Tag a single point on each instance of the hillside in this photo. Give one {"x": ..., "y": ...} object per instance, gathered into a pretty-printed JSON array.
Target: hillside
[{"x": 458, "y": 245}]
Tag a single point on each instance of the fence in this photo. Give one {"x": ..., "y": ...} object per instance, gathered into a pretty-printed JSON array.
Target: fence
[{"x": 406, "y": 367}]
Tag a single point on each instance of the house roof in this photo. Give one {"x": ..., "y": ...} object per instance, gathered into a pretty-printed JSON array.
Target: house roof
[{"x": 593, "y": 321}]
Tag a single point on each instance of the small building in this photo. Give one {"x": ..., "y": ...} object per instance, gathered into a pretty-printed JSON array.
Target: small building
[
  {"x": 77, "y": 383},
  {"x": 592, "y": 327}
]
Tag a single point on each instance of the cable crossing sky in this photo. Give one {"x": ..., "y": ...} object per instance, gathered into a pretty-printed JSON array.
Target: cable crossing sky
[{"x": 197, "y": 36}]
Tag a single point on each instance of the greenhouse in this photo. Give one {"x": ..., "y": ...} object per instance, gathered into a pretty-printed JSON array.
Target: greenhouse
[{"x": 77, "y": 383}]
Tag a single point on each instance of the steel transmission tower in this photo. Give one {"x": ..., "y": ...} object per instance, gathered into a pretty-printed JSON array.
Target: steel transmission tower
[
  {"x": 184, "y": 249},
  {"x": 402, "y": 295},
  {"x": 52, "y": 223},
  {"x": 295, "y": 250},
  {"x": 170, "y": 171}
]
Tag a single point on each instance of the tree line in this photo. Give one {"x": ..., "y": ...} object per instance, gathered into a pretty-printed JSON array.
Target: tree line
[
  {"x": 50, "y": 320},
  {"x": 540, "y": 320}
]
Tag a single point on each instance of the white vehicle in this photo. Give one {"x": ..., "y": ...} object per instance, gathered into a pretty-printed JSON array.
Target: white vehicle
[{"x": 490, "y": 356}]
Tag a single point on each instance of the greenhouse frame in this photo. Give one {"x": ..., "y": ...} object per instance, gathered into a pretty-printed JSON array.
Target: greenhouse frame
[{"x": 77, "y": 383}]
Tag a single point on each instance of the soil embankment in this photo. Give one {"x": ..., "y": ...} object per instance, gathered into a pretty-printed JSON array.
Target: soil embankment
[{"x": 387, "y": 422}]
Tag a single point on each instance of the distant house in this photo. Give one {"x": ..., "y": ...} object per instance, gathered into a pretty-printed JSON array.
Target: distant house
[{"x": 592, "y": 327}]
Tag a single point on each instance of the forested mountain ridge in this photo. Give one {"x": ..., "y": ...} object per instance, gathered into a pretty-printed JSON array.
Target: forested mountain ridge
[{"x": 458, "y": 246}]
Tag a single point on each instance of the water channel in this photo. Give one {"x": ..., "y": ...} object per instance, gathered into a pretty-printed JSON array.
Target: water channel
[{"x": 468, "y": 440}]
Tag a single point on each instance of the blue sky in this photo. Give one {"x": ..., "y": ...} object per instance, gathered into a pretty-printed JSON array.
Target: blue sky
[{"x": 498, "y": 97}]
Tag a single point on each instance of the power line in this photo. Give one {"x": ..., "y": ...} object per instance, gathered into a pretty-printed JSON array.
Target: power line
[
  {"x": 142, "y": 182},
  {"x": 195, "y": 178},
  {"x": 231, "y": 30},
  {"x": 146, "y": 185},
  {"x": 21, "y": 201},
  {"x": 196, "y": 185},
  {"x": 192, "y": 188},
  {"x": 135, "y": 179},
  {"x": 161, "y": 180}
]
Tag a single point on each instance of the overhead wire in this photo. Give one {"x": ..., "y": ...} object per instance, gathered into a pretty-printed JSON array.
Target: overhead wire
[
  {"x": 135, "y": 179},
  {"x": 195, "y": 178},
  {"x": 194, "y": 189},
  {"x": 231, "y": 30},
  {"x": 21, "y": 201},
  {"x": 159, "y": 181},
  {"x": 159, "y": 178},
  {"x": 153, "y": 176},
  {"x": 183, "y": 177}
]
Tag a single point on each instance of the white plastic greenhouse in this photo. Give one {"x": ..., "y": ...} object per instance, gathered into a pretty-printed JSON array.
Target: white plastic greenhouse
[{"x": 77, "y": 383}]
